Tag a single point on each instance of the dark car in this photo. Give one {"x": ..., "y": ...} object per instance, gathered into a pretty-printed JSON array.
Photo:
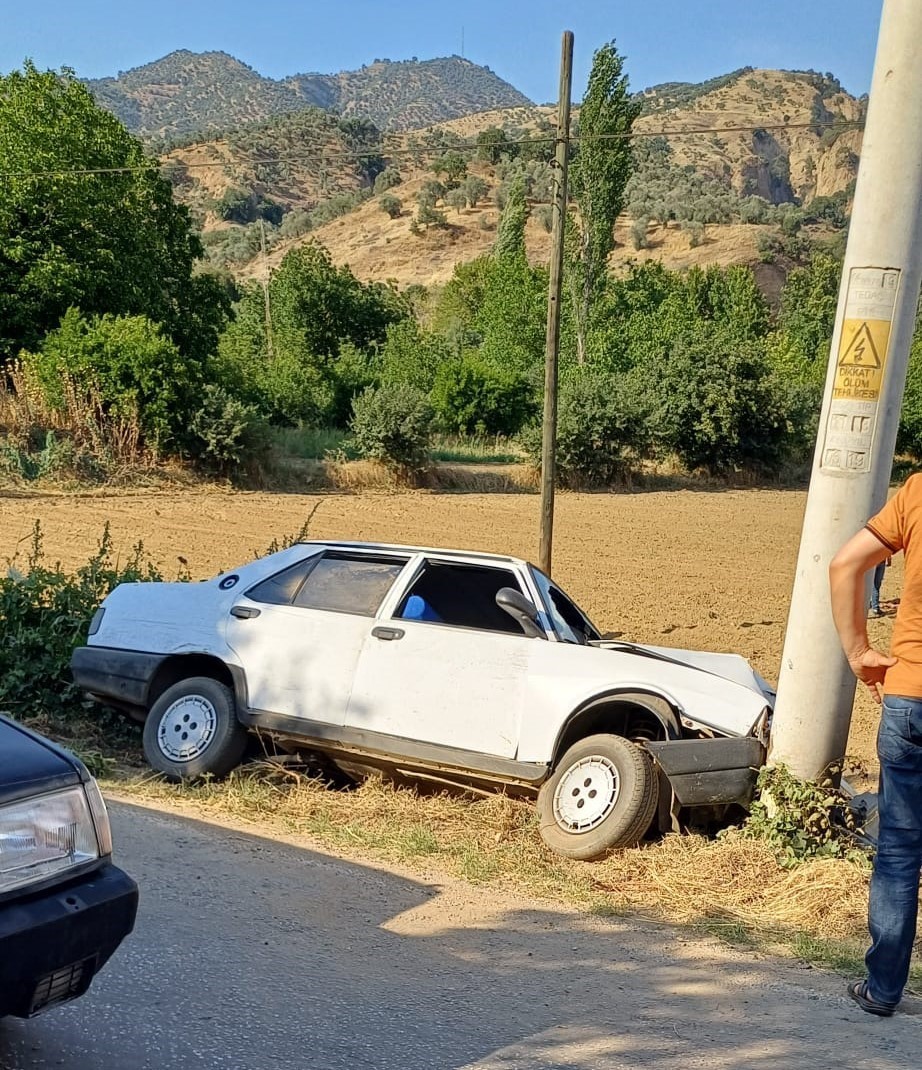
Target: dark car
[{"x": 64, "y": 907}]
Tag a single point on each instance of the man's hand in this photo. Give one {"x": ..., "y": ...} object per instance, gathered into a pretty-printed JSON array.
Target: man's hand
[{"x": 870, "y": 666}]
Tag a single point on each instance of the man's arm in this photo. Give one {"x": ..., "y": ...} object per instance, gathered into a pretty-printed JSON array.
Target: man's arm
[{"x": 849, "y": 612}]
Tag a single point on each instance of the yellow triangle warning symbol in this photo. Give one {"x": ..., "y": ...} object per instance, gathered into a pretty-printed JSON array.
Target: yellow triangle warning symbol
[{"x": 861, "y": 351}]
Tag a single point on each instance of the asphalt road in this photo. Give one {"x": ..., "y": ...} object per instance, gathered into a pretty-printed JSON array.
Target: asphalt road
[{"x": 252, "y": 954}]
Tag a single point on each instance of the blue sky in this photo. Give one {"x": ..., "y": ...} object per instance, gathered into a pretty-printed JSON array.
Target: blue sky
[{"x": 664, "y": 40}]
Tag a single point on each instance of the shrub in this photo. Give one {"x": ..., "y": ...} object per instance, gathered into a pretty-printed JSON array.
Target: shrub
[
  {"x": 393, "y": 424},
  {"x": 129, "y": 365},
  {"x": 228, "y": 432},
  {"x": 44, "y": 613},
  {"x": 909, "y": 436},
  {"x": 713, "y": 404},
  {"x": 391, "y": 205},
  {"x": 598, "y": 428},
  {"x": 387, "y": 179},
  {"x": 476, "y": 396}
]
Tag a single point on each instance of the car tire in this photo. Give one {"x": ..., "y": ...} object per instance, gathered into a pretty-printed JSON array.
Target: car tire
[
  {"x": 192, "y": 729},
  {"x": 601, "y": 796}
]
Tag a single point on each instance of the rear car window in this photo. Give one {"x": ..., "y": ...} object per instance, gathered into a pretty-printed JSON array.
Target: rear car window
[{"x": 337, "y": 582}]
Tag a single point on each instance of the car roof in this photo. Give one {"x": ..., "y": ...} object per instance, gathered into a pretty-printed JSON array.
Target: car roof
[{"x": 437, "y": 550}]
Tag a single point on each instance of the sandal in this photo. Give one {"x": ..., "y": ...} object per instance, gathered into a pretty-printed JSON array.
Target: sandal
[{"x": 858, "y": 990}]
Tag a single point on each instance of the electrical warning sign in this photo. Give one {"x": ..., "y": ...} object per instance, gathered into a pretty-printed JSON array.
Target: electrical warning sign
[
  {"x": 861, "y": 360},
  {"x": 862, "y": 352}
]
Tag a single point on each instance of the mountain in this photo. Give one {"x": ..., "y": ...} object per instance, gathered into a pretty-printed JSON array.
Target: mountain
[
  {"x": 191, "y": 94},
  {"x": 726, "y": 171}
]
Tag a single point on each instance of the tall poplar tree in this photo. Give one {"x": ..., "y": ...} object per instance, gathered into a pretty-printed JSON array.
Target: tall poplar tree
[{"x": 599, "y": 172}]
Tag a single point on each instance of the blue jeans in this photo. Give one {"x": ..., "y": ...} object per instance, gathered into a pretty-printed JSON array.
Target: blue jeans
[
  {"x": 894, "y": 899},
  {"x": 876, "y": 585}
]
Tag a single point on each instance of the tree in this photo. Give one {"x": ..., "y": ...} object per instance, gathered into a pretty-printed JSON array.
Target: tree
[
  {"x": 492, "y": 144},
  {"x": 453, "y": 166},
  {"x": 315, "y": 308},
  {"x": 510, "y": 239},
  {"x": 391, "y": 205},
  {"x": 112, "y": 241},
  {"x": 475, "y": 190},
  {"x": 599, "y": 173}
]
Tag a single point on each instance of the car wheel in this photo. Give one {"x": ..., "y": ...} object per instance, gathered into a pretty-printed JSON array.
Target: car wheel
[
  {"x": 601, "y": 796},
  {"x": 192, "y": 729}
]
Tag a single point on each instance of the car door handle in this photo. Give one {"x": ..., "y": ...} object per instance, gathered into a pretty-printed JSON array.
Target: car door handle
[
  {"x": 387, "y": 633},
  {"x": 244, "y": 612}
]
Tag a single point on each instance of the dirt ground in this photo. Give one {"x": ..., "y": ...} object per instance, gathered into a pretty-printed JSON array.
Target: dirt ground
[{"x": 708, "y": 569}]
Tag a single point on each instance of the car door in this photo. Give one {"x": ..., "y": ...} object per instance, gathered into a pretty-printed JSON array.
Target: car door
[
  {"x": 299, "y": 633},
  {"x": 448, "y": 666}
]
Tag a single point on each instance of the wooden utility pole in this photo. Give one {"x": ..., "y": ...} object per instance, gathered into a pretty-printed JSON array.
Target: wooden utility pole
[
  {"x": 876, "y": 317},
  {"x": 554, "y": 293}
]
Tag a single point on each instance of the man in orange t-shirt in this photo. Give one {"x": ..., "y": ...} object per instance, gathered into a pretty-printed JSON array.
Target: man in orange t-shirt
[{"x": 896, "y": 681}]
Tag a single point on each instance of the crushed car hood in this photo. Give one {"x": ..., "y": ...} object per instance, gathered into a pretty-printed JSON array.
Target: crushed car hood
[{"x": 730, "y": 667}]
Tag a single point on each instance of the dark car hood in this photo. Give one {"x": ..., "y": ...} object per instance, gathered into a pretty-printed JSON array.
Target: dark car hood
[{"x": 31, "y": 765}]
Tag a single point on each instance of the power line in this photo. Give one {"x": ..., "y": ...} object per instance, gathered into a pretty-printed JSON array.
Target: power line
[{"x": 433, "y": 150}]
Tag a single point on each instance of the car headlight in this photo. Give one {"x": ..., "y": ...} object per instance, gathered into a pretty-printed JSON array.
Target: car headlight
[{"x": 46, "y": 836}]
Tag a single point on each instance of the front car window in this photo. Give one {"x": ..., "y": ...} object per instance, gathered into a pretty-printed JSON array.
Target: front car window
[
  {"x": 461, "y": 595},
  {"x": 569, "y": 622},
  {"x": 342, "y": 583}
]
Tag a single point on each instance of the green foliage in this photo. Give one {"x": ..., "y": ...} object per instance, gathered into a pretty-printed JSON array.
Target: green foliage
[
  {"x": 390, "y": 205},
  {"x": 510, "y": 239},
  {"x": 713, "y": 402},
  {"x": 315, "y": 307},
  {"x": 108, "y": 243},
  {"x": 393, "y": 424},
  {"x": 453, "y": 166},
  {"x": 475, "y": 395},
  {"x": 599, "y": 174},
  {"x": 801, "y": 820},
  {"x": 808, "y": 309},
  {"x": 137, "y": 373},
  {"x": 475, "y": 189},
  {"x": 412, "y": 355},
  {"x": 44, "y": 613},
  {"x": 909, "y": 437},
  {"x": 388, "y": 178},
  {"x": 492, "y": 144},
  {"x": 227, "y": 433},
  {"x": 599, "y": 426}
]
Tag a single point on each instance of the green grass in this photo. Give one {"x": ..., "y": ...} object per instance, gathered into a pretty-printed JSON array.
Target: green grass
[
  {"x": 476, "y": 450},
  {"x": 309, "y": 443},
  {"x": 314, "y": 443}
]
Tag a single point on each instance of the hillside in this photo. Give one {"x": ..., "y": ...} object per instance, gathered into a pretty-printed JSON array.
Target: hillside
[
  {"x": 188, "y": 94},
  {"x": 720, "y": 167}
]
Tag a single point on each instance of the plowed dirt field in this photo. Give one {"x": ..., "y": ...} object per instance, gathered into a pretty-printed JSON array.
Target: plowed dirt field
[{"x": 705, "y": 569}]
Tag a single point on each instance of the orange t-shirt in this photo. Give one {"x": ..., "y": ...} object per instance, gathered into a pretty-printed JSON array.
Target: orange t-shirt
[{"x": 899, "y": 527}]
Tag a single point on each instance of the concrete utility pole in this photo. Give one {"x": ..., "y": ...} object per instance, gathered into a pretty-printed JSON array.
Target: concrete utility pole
[
  {"x": 864, "y": 388},
  {"x": 554, "y": 293}
]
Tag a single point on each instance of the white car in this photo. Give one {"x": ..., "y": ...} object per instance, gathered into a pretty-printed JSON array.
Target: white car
[{"x": 462, "y": 668}]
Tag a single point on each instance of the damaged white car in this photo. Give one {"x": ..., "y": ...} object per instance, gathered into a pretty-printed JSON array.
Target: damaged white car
[{"x": 466, "y": 669}]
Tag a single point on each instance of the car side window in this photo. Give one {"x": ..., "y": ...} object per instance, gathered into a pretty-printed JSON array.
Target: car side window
[
  {"x": 280, "y": 589},
  {"x": 462, "y": 595},
  {"x": 339, "y": 582},
  {"x": 348, "y": 584},
  {"x": 569, "y": 621}
]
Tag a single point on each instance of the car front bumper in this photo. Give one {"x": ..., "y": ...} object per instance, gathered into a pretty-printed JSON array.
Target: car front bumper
[
  {"x": 53, "y": 943},
  {"x": 121, "y": 677},
  {"x": 709, "y": 772}
]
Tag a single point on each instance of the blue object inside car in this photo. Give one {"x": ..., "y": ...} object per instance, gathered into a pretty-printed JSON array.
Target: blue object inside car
[{"x": 417, "y": 608}]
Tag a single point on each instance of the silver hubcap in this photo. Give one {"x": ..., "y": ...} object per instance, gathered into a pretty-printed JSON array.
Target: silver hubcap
[
  {"x": 586, "y": 794},
  {"x": 187, "y": 728}
]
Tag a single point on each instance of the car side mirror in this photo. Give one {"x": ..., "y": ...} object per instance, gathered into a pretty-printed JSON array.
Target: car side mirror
[{"x": 521, "y": 610}]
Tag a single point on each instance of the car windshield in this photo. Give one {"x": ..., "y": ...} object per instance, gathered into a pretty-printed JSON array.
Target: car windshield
[{"x": 569, "y": 622}]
